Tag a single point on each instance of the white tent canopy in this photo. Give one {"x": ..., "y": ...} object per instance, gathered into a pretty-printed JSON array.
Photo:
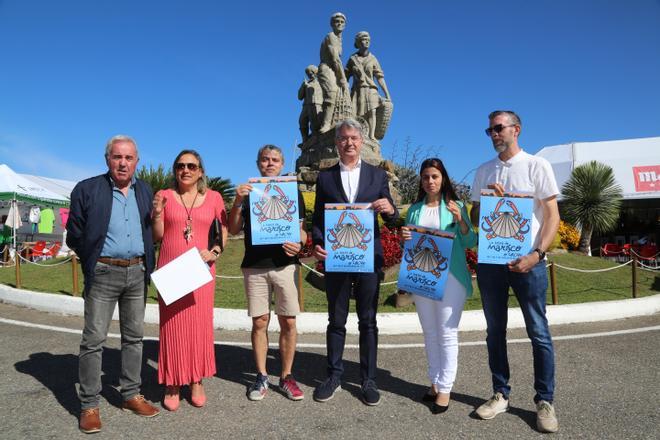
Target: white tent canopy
[
  {"x": 58, "y": 186},
  {"x": 16, "y": 187},
  {"x": 636, "y": 163}
]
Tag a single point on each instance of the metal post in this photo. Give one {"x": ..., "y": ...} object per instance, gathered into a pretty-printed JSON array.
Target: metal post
[
  {"x": 553, "y": 284},
  {"x": 634, "y": 275},
  {"x": 301, "y": 292},
  {"x": 74, "y": 270}
]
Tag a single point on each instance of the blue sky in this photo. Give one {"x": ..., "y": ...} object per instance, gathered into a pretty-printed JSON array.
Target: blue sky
[{"x": 222, "y": 77}]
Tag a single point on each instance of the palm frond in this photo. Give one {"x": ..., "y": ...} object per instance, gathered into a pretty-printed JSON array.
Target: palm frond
[{"x": 592, "y": 197}]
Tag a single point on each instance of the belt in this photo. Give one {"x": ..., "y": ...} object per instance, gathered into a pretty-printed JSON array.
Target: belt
[{"x": 122, "y": 262}]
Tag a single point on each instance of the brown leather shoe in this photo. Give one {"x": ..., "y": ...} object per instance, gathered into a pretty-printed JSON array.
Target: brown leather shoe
[
  {"x": 90, "y": 421},
  {"x": 140, "y": 406}
]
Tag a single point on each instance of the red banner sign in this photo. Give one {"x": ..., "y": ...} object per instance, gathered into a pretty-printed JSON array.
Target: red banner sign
[{"x": 647, "y": 178}]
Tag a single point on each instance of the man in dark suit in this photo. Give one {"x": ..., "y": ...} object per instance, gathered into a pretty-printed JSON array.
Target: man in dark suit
[
  {"x": 109, "y": 228},
  {"x": 351, "y": 181}
]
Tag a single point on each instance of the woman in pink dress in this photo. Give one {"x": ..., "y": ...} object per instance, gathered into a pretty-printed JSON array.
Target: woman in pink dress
[{"x": 182, "y": 218}]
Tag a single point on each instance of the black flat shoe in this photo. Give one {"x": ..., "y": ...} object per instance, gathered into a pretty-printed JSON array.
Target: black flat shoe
[{"x": 438, "y": 409}]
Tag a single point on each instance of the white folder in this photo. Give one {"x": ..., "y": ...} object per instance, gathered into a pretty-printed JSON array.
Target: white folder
[{"x": 181, "y": 276}]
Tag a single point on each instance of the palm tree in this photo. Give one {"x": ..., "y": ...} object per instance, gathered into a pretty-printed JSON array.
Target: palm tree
[
  {"x": 224, "y": 187},
  {"x": 157, "y": 178},
  {"x": 592, "y": 201}
]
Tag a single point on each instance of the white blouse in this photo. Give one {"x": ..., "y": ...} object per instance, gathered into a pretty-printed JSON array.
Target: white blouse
[{"x": 430, "y": 217}]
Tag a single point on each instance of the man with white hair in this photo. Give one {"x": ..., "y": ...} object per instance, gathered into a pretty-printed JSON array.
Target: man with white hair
[{"x": 109, "y": 228}]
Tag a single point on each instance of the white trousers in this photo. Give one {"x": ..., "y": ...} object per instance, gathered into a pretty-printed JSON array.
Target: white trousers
[{"x": 440, "y": 321}]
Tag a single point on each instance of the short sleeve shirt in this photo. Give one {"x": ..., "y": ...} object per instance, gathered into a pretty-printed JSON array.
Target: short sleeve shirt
[
  {"x": 269, "y": 255},
  {"x": 522, "y": 173}
]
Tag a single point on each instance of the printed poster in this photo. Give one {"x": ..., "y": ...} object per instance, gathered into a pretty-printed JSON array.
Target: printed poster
[
  {"x": 274, "y": 216},
  {"x": 505, "y": 227},
  {"x": 425, "y": 263},
  {"x": 349, "y": 237}
]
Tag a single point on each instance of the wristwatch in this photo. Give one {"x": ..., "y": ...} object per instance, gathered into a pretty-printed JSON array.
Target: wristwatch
[
  {"x": 215, "y": 252},
  {"x": 541, "y": 254}
]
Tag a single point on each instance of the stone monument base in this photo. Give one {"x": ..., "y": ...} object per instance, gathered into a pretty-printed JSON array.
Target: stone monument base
[{"x": 319, "y": 152}]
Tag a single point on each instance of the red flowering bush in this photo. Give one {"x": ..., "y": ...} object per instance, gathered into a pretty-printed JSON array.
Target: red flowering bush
[
  {"x": 306, "y": 250},
  {"x": 471, "y": 259},
  {"x": 392, "y": 252}
]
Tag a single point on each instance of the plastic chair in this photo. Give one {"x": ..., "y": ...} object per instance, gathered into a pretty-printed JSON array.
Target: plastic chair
[
  {"x": 35, "y": 251},
  {"x": 52, "y": 251}
]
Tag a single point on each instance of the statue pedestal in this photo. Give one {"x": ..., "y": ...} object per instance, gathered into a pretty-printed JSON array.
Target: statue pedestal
[{"x": 319, "y": 152}]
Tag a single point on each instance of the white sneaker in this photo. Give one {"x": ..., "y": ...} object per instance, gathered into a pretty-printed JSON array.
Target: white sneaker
[
  {"x": 495, "y": 405},
  {"x": 546, "y": 420}
]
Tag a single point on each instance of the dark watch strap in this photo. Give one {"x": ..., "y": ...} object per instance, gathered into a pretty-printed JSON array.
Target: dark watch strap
[{"x": 541, "y": 254}]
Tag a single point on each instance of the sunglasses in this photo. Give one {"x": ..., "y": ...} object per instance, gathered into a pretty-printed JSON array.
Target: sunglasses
[
  {"x": 497, "y": 129},
  {"x": 180, "y": 166}
]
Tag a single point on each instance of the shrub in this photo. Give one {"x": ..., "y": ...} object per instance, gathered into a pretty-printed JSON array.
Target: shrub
[
  {"x": 392, "y": 252},
  {"x": 471, "y": 260},
  {"x": 570, "y": 236}
]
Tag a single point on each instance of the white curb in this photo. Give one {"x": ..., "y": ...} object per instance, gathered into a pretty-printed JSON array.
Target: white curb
[{"x": 388, "y": 323}]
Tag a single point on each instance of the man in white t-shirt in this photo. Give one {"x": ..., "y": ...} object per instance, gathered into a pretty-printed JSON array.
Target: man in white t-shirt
[{"x": 514, "y": 170}]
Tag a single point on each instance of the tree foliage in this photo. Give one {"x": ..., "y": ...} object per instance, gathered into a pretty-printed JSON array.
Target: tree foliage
[
  {"x": 592, "y": 200},
  {"x": 157, "y": 178},
  {"x": 224, "y": 187},
  {"x": 407, "y": 160}
]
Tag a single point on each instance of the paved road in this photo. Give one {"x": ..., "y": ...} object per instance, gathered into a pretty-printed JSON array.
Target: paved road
[{"x": 607, "y": 387}]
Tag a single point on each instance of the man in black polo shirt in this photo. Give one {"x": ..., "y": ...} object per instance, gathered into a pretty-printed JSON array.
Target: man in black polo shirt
[{"x": 268, "y": 270}]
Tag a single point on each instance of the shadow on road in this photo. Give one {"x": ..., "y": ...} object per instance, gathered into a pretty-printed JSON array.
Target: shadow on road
[{"x": 59, "y": 373}]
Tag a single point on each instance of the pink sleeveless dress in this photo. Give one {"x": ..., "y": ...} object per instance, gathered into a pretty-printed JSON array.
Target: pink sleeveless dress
[{"x": 186, "y": 353}]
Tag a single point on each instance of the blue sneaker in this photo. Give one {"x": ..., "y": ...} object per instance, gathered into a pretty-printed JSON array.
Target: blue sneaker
[
  {"x": 370, "y": 394},
  {"x": 327, "y": 389},
  {"x": 259, "y": 388}
]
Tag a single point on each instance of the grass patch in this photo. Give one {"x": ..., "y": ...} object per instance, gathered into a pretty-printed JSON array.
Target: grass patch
[{"x": 572, "y": 287}]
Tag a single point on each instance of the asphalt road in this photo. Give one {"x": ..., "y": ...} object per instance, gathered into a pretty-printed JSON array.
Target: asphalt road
[{"x": 607, "y": 387}]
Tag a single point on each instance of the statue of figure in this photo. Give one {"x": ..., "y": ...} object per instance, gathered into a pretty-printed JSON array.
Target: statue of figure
[
  {"x": 311, "y": 95},
  {"x": 331, "y": 71},
  {"x": 366, "y": 71}
]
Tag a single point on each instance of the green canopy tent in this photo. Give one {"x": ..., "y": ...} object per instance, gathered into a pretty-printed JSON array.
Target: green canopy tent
[{"x": 15, "y": 188}]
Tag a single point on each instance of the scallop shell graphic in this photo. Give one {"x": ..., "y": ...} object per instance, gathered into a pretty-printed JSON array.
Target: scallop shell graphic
[
  {"x": 274, "y": 208},
  {"x": 505, "y": 225},
  {"x": 425, "y": 260},
  {"x": 349, "y": 236}
]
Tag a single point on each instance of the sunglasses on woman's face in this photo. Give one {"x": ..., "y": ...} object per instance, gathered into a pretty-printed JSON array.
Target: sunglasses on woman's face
[{"x": 180, "y": 166}]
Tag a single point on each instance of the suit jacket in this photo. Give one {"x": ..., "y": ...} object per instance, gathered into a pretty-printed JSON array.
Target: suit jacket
[
  {"x": 373, "y": 185},
  {"x": 89, "y": 217}
]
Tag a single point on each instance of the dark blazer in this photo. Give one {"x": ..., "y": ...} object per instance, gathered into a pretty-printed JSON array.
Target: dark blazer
[
  {"x": 89, "y": 217},
  {"x": 373, "y": 186}
]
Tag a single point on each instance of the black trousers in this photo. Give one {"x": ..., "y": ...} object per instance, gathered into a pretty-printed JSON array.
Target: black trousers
[{"x": 365, "y": 288}]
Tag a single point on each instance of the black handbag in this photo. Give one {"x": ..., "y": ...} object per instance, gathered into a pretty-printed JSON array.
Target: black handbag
[{"x": 215, "y": 235}]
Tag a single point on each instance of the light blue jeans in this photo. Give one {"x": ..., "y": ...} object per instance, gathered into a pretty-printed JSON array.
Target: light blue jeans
[
  {"x": 530, "y": 289},
  {"x": 112, "y": 285}
]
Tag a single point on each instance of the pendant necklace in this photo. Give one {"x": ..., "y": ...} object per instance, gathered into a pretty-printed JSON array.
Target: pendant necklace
[{"x": 188, "y": 231}]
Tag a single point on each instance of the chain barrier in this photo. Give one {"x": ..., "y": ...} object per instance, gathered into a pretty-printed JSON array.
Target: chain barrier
[
  {"x": 573, "y": 269},
  {"x": 59, "y": 263}
]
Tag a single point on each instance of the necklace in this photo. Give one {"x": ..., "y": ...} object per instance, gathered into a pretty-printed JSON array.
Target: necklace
[{"x": 188, "y": 230}]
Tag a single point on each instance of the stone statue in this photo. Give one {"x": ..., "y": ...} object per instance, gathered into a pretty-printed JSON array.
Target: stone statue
[
  {"x": 331, "y": 74},
  {"x": 366, "y": 72},
  {"x": 373, "y": 111},
  {"x": 311, "y": 95}
]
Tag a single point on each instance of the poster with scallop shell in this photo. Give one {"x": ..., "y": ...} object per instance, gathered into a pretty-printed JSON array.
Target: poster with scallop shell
[
  {"x": 274, "y": 208},
  {"x": 505, "y": 226},
  {"x": 425, "y": 262},
  {"x": 349, "y": 237}
]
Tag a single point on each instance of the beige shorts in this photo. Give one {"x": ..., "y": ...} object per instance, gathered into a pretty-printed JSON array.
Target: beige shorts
[{"x": 261, "y": 284}]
